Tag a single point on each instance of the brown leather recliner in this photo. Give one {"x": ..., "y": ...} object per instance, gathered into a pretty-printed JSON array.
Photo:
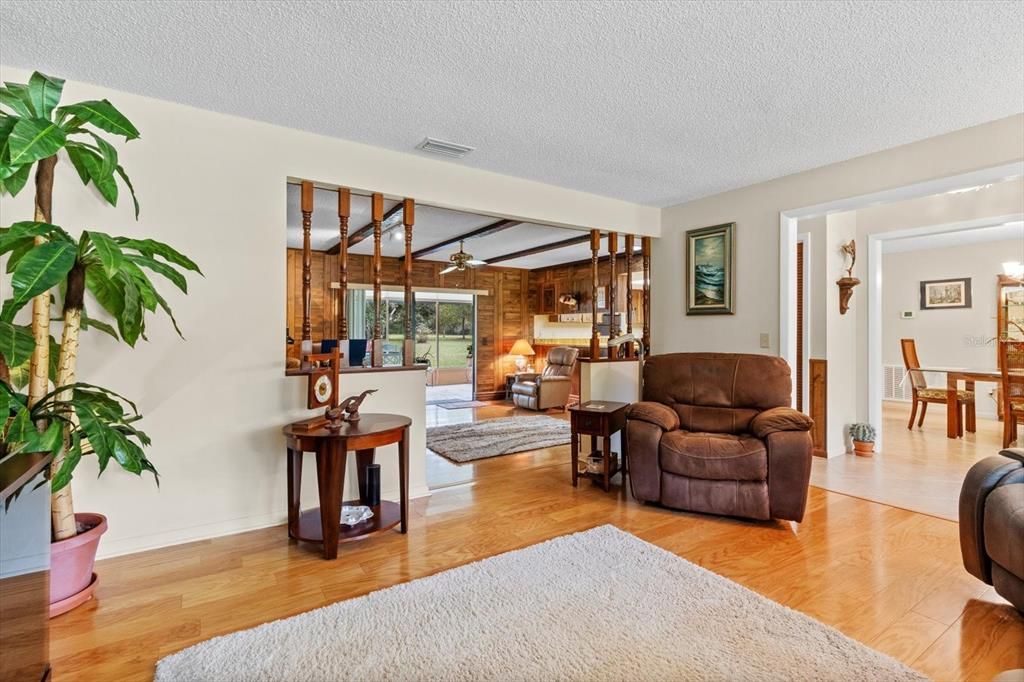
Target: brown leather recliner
[
  {"x": 715, "y": 434},
  {"x": 992, "y": 523},
  {"x": 551, "y": 387}
]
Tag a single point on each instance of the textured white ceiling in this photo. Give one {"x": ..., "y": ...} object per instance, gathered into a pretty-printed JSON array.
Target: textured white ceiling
[{"x": 651, "y": 102}]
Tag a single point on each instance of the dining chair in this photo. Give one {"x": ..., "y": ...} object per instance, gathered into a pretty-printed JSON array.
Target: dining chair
[
  {"x": 923, "y": 394},
  {"x": 1011, "y": 364}
]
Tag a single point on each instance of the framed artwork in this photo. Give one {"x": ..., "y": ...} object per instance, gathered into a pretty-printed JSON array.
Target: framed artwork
[
  {"x": 709, "y": 270},
  {"x": 946, "y": 293},
  {"x": 548, "y": 298}
]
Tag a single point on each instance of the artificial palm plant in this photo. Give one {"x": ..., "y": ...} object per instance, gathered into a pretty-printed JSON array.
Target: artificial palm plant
[{"x": 47, "y": 264}]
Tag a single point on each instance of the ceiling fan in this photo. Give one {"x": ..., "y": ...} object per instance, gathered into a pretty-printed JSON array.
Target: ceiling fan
[{"x": 462, "y": 260}]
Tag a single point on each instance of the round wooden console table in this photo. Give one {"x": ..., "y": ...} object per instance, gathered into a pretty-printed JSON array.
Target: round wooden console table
[{"x": 323, "y": 524}]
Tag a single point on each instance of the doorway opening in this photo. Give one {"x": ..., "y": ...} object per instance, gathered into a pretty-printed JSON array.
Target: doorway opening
[{"x": 961, "y": 238}]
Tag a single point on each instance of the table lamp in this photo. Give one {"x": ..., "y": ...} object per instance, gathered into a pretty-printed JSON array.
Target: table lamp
[{"x": 520, "y": 349}]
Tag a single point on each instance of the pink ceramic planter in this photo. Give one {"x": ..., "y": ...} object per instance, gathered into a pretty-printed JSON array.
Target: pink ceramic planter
[{"x": 71, "y": 562}]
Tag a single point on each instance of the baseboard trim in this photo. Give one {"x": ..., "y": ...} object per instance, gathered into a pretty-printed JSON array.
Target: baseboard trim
[
  {"x": 209, "y": 531},
  {"x": 491, "y": 395}
]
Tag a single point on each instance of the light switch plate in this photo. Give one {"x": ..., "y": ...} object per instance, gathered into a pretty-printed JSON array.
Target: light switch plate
[{"x": 765, "y": 340}]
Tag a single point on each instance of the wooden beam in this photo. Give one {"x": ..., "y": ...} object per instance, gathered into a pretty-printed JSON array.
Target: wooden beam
[
  {"x": 307, "y": 266},
  {"x": 366, "y": 230},
  {"x": 376, "y": 217},
  {"x": 595, "y": 339},
  {"x": 582, "y": 239},
  {"x": 583, "y": 261},
  {"x": 344, "y": 213},
  {"x": 484, "y": 231},
  {"x": 409, "y": 342}
]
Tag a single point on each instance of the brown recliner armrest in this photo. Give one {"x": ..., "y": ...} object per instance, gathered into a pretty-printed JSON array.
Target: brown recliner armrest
[
  {"x": 779, "y": 419},
  {"x": 660, "y": 415},
  {"x": 982, "y": 478},
  {"x": 547, "y": 379}
]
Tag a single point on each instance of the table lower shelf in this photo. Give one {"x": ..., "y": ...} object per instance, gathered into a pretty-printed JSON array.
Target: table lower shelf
[
  {"x": 599, "y": 475},
  {"x": 385, "y": 517}
]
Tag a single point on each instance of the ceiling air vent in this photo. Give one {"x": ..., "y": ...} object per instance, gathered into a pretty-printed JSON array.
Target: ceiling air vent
[{"x": 443, "y": 148}]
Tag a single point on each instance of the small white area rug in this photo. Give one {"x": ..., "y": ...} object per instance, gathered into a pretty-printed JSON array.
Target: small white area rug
[
  {"x": 597, "y": 605},
  {"x": 493, "y": 437}
]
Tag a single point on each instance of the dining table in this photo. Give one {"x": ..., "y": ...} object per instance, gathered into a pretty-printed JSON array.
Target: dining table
[{"x": 968, "y": 375}]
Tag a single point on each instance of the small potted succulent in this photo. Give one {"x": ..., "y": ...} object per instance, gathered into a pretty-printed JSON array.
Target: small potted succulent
[{"x": 863, "y": 439}]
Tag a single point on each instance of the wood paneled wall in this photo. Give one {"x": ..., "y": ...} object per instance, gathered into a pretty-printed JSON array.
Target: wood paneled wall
[
  {"x": 575, "y": 278},
  {"x": 502, "y": 314}
]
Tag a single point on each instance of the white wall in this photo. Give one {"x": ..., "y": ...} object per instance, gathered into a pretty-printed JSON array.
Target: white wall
[
  {"x": 214, "y": 186},
  {"x": 960, "y": 337},
  {"x": 841, "y": 335},
  {"x": 755, "y": 210}
]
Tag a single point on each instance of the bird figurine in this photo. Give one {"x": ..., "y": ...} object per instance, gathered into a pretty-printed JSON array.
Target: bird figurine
[{"x": 346, "y": 411}]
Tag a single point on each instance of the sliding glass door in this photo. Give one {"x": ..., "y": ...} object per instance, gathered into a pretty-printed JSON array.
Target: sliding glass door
[
  {"x": 445, "y": 338},
  {"x": 442, "y": 328}
]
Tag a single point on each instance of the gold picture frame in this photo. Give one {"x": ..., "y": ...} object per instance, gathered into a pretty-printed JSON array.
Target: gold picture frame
[{"x": 710, "y": 271}]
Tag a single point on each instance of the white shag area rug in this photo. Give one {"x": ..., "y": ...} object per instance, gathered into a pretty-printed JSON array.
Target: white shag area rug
[
  {"x": 597, "y": 605},
  {"x": 493, "y": 437}
]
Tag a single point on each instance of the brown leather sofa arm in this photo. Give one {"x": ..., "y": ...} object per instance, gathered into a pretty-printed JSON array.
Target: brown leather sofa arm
[
  {"x": 982, "y": 478},
  {"x": 779, "y": 419},
  {"x": 660, "y": 415}
]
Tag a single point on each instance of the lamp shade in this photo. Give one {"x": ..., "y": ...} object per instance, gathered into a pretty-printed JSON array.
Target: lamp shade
[{"x": 521, "y": 347}]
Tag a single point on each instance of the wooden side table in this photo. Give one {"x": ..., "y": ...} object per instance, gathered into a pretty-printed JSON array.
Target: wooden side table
[
  {"x": 599, "y": 419},
  {"x": 323, "y": 524},
  {"x": 511, "y": 378}
]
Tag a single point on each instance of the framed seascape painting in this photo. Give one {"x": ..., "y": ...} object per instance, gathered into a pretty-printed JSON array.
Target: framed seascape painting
[
  {"x": 709, "y": 270},
  {"x": 946, "y": 293}
]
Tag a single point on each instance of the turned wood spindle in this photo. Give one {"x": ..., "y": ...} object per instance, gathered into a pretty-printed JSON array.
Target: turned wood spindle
[
  {"x": 645, "y": 252},
  {"x": 630, "y": 245},
  {"x": 376, "y": 217},
  {"x": 409, "y": 346},
  {"x": 613, "y": 320},
  {"x": 344, "y": 213},
  {"x": 595, "y": 339},
  {"x": 307, "y": 266}
]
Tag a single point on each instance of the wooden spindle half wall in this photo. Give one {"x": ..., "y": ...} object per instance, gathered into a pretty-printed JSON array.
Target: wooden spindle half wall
[
  {"x": 409, "y": 345},
  {"x": 376, "y": 218},
  {"x": 307, "y": 265},
  {"x": 344, "y": 213}
]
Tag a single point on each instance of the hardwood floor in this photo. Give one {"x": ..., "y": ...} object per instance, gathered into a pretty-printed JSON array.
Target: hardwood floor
[
  {"x": 888, "y": 577},
  {"x": 919, "y": 469}
]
